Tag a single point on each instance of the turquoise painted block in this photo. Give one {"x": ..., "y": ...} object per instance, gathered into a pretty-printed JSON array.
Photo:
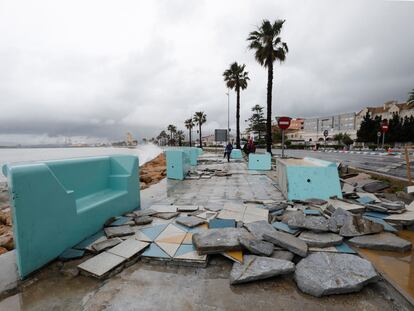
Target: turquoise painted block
[
  {"x": 178, "y": 164},
  {"x": 200, "y": 151},
  {"x": 57, "y": 204},
  {"x": 236, "y": 154},
  {"x": 192, "y": 153},
  {"x": 301, "y": 179},
  {"x": 260, "y": 161}
]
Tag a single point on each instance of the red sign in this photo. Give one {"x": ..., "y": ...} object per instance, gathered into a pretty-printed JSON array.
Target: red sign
[
  {"x": 384, "y": 126},
  {"x": 283, "y": 123}
]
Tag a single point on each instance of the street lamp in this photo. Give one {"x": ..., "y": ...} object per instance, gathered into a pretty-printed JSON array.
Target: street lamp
[{"x": 228, "y": 115}]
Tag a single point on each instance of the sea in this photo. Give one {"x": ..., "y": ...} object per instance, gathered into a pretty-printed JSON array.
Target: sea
[{"x": 144, "y": 153}]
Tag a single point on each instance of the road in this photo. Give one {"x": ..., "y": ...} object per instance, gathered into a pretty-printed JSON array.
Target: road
[{"x": 393, "y": 165}]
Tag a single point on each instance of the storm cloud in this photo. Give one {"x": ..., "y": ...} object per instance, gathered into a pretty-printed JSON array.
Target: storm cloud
[{"x": 92, "y": 70}]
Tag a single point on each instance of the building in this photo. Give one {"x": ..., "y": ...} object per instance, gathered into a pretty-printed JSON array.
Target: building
[
  {"x": 386, "y": 111},
  {"x": 313, "y": 128}
]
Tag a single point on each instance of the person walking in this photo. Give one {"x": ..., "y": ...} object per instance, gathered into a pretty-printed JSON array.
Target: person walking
[{"x": 228, "y": 150}]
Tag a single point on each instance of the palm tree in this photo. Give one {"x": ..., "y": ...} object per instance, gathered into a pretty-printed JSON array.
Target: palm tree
[
  {"x": 189, "y": 124},
  {"x": 268, "y": 47},
  {"x": 180, "y": 137},
  {"x": 410, "y": 96},
  {"x": 236, "y": 78},
  {"x": 173, "y": 130},
  {"x": 200, "y": 118}
]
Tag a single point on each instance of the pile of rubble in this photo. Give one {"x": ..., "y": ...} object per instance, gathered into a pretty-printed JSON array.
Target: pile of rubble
[{"x": 207, "y": 173}]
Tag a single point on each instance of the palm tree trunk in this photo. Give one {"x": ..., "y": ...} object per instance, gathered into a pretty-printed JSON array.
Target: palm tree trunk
[
  {"x": 199, "y": 127},
  {"x": 190, "y": 136},
  {"x": 238, "y": 119},
  {"x": 269, "y": 108}
]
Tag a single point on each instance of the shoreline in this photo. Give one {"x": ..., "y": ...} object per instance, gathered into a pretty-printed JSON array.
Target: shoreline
[{"x": 150, "y": 173}]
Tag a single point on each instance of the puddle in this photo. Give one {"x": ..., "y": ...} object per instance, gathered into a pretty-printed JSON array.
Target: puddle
[{"x": 397, "y": 268}]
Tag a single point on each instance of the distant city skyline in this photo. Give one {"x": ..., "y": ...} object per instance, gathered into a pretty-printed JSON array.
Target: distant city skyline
[{"x": 94, "y": 70}]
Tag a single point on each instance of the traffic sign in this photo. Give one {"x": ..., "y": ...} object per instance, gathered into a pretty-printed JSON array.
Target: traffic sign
[
  {"x": 379, "y": 134},
  {"x": 384, "y": 126},
  {"x": 283, "y": 123},
  {"x": 325, "y": 133}
]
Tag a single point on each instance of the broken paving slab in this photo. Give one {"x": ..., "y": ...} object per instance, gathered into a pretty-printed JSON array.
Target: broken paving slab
[
  {"x": 167, "y": 215},
  {"x": 187, "y": 208},
  {"x": 385, "y": 241},
  {"x": 112, "y": 232},
  {"x": 256, "y": 268},
  {"x": 120, "y": 221},
  {"x": 257, "y": 247},
  {"x": 355, "y": 225},
  {"x": 395, "y": 206},
  {"x": 104, "y": 245},
  {"x": 143, "y": 220},
  {"x": 71, "y": 253},
  {"x": 145, "y": 212},
  {"x": 348, "y": 206},
  {"x": 215, "y": 241},
  {"x": 387, "y": 226},
  {"x": 278, "y": 225},
  {"x": 101, "y": 264},
  {"x": 259, "y": 228},
  {"x": 313, "y": 223},
  {"x": 324, "y": 273},
  {"x": 375, "y": 186},
  {"x": 190, "y": 221},
  {"x": 325, "y": 239},
  {"x": 406, "y": 218},
  {"x": 282, "y": 254},
  {"x": 128, "y": 248},
  {"x": 221, "y": 223},
  {"x": 287, "y": 241}
]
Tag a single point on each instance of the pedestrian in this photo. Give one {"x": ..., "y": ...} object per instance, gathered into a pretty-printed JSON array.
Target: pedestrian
[
  {"x": 251, "y": 146},
  {"x": 228, "y": 150}
]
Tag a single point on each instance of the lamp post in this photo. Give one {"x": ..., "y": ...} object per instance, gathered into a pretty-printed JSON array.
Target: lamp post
[{"x": 228, "y": 115}]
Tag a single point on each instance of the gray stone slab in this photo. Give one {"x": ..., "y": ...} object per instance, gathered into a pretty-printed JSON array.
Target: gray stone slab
[
  {"x": 120, "y": 231},
  {"x": 282, "y": 254},
  {"x": 385, "y": 241},
  {"x": 287, "y": 241},
  {"x": 9, "y": 277},
  {"x": 214, "y": 241},
  {"x": 145, "y": 212},
  {"x": 187, "y": 208},
  {"x": 259, "y": 228},
  {"x": 375, "y": 186},
  {"x": 143, "y": 220},
  {"x": 167, "y": 215},
  {"x": 396, "y": 205},
  {"x": 104, "y": 245},
  {"x": 355, "y": 225},
  {"x": 323, "y": 239},
  {"x": 314, "y": 223},
  {"x": 128, "y": 248},
  {"x": 324, "y": 273},
  {"x": 190, "y": 221},
  {"x": 257, "y": 247},
  {"x": 256, "y": 268},
  {"x": 101, "y": 264}
]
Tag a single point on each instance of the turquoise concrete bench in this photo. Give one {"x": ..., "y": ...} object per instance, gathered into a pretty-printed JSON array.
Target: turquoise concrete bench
[
  {"x": 200, "y": 151},
  {"x": 236, "y": 154},
  {"x": 301, "y": 179},
  {"x": 178, "y": 164},
  {"x": 192, "y": 153},
  {"x": 57, "y": 204},
  {"x": 260, "y": 161}
]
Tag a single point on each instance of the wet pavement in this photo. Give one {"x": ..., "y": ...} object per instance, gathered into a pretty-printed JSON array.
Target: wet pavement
[
  {"x": 150, "y": 286},
  {"x": 392, "y": 165}
]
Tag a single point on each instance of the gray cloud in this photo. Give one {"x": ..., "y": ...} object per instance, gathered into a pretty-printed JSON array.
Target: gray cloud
[{"x": 98, "y": 69}]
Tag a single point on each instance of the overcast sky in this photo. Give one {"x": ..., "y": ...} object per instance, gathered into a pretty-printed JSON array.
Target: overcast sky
[{"x": 93, "y": 70}]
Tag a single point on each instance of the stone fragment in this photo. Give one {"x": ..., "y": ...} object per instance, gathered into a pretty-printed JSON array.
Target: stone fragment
[
  {"x": 101, "y": 246},
  {"x": 145, "y": 212},
  {"x": 375, "y": 186},
  {"x": 313, "y": 223},
  {"x": 120, "y": 231},
  {"x": 221, "y": 240},
  {"x": 287, "y": 241},
  {"x": 325, "y": 239},
  {"x": 257, "y": 247},
  {"x": 396, "y": 205},
  {"x": 376, "y": 208},
  {"x": 324, "y": 273},
  {"x": 167, "y": 215},
  {"x": 385, "y": 241},
  {"x": 355, "y": 225},
  {"x": 258, "y": 228},
  {"x": 187, "y": 208},
  {"x": 282, "y": 254},
  {"x": 71, "y": 253},
  {"x": 101, "y": 264},
  {"x": 142, "y": 220},
  {"x": 190, "y": 221},
  {"x": 258, "y": 268},
  {"x": 316, "y": 201}
]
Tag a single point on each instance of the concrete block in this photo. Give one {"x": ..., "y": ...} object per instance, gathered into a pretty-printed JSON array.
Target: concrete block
[
  {"x": 57, "y": 204},
  {"x": 178, "y": 164},
  {"x": 9, "y": 276},
  {"x": 260, "y": 161},
  {"x": 301, "y": 179},
  {"x": 236, "y": 154}
]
